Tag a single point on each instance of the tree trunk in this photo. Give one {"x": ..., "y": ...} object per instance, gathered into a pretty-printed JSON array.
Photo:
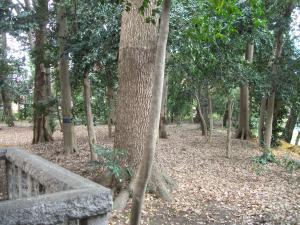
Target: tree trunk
[
  {"x": 163, "y": 112},
  {"x": 89, "y": 114},
  {"x": 243, "y": 131},
  {"x": 290, "y": 124},
  {"x": 225, "y": 116},
  {"x": 153, "y": 128},
  {"x": 210, "y": 116},
  {"x": 229, "y": 109},
  {"x": 136, "y": 62},
  {"x": 269, "y": 120},
  {"x": 66, "y": 98},
  {"x": 41, "y": 131},
  {"x": 202, "y": 120},
  {"x": 261, "y": 125}
]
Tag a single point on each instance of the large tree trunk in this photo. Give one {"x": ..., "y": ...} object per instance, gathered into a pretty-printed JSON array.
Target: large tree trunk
[
  {"x": 136, "y": 63},
  {"x": 41, "y": 132},
  {"x": 243, "y": 131},
  {"x": 229, "y": 109},
  {"x": 269, "y": 121},
  {"x": 66, "y": 98},
  {"x": 261, "y": 125},
  {"x": 153, "y": 128},
  {"x": 89, "y": 114},
  {"x": 290, "y": 124},
  {"x": 163, "y": 112}
]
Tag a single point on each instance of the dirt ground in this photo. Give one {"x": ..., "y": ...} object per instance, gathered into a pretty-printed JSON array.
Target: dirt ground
[{"x": 210, "y": 189}]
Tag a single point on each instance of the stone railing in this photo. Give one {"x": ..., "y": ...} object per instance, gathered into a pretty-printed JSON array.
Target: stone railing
[{"x": 40, "y": 192}]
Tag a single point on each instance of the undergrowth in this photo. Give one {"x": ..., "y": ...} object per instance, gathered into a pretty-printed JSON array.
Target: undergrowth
[{"x": 267, "y": 157}]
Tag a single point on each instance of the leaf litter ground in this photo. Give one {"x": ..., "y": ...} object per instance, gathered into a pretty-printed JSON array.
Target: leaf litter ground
[{"x": 209, "y": 188}]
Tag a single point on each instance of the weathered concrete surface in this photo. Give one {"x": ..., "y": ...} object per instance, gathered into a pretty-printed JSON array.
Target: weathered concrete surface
[
  {"x": 55, "y": 208},
  {"x": 2, "y": 153},
  {"x": 50, "y": 175},
  {"x": 75, "y": 197}
]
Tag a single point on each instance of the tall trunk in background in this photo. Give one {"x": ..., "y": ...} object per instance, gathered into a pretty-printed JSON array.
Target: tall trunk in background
[
  {"x": 202, "y": 120},
  {"x": 269, "y": 120},
  {"x": 274, "y": 67},
  {"x": 229, "y": 109},
  {"x": 163, "y": 111},
  {"x": 261, "y": 125},
  {"x": 66, "y": 98},
  {"x": 135, "y": 70},
  {"x": 210, "y": 115},
  {"x": 89, "y": 114},
  {"x": 110, "y": 101},
  {"x": 290, "y": 124},
  {"x": 145, "y": 166},
  {"x": 7, "y": 109},
  {"x": 41, "y": 132},
  {"x": 30, "y": 38},
  {"x": 225, "y": 116},
  {"x": 243, "y": 131}
]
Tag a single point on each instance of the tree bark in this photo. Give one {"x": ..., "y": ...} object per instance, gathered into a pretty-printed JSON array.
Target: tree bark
[
  {"x": 89, "y": 114},
  {"x": 290, "y": 124},
  {"x": 163, "y": 112},
  {"x": 41, "y": 131},
  {"x": 243, "y": 131},
  {"x": 261, "y": 125},
  {"x": 202, "y": 120},
  {"x": 153, "y": 128},
  {"x": 135, "y": 65},
  {"x": 66, "y": 98},
  {"x": 229, "y": 109},
  {"x": 269, "y": 120},
  {"x": 225, "y": 116}
]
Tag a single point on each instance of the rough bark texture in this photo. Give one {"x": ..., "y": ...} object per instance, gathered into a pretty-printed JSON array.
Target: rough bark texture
[
  {"x": 229, "y": 109},
  {"x": 89, "y": 114},
  {"x": 261, "y": 125},
  {"x": 7, "y": 110},
  {"x": 41, "y": 132},
  {"x": 163, "y": 112},
  {"x": 145, "y": 166},
  {"x": 136, "y": 63},
  {"x": 66, "y": 98},
  {"x": 290, "y": 124},
  {"x": 243, "y": 131}
]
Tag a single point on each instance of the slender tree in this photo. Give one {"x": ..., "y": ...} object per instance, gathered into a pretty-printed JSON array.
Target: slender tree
[
  {"x": 66, "y": 98},
  {"x": 153, "y": 128}
]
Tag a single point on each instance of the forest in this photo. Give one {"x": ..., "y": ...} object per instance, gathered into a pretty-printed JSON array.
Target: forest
[{"x": 187, "y": 110}]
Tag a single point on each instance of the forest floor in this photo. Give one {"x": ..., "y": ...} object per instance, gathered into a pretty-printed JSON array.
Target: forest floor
[{"x": 210, "y": 189}]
